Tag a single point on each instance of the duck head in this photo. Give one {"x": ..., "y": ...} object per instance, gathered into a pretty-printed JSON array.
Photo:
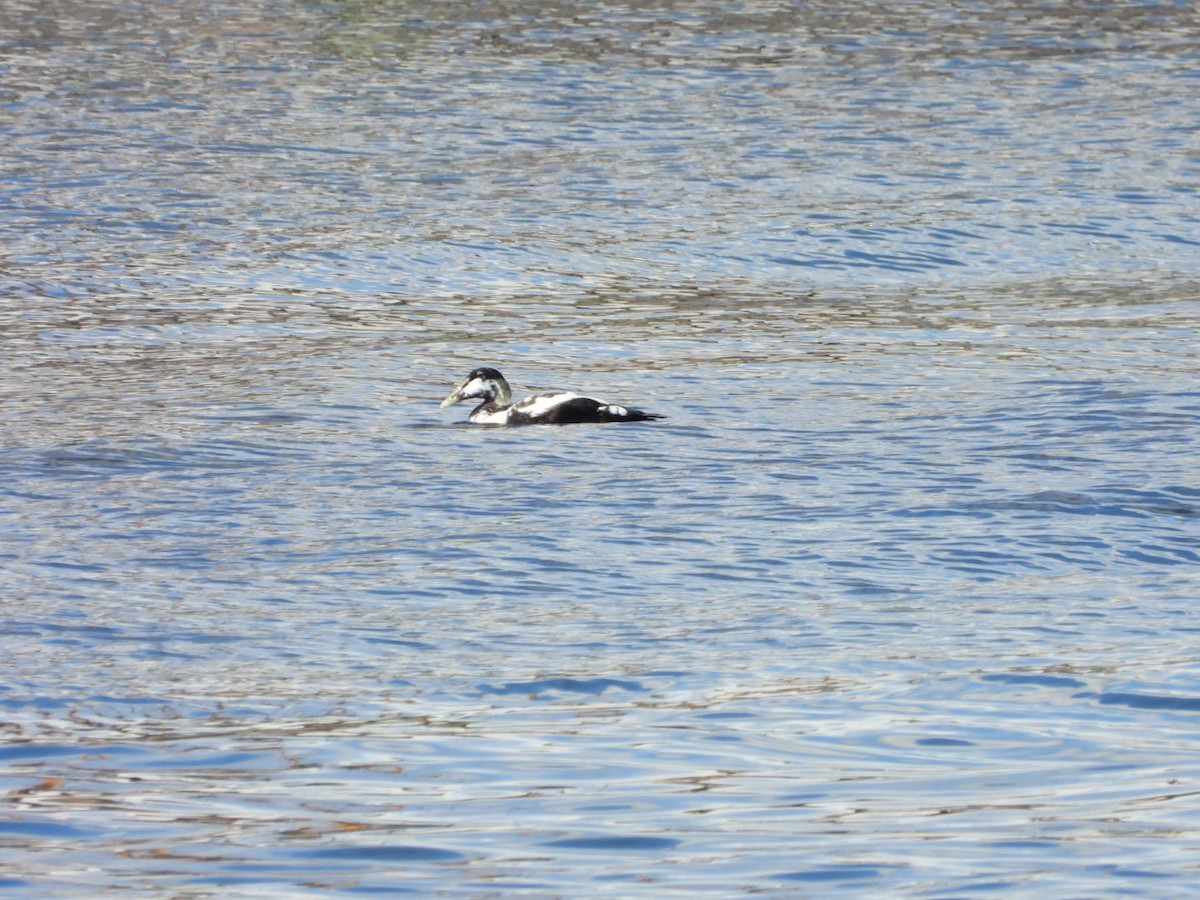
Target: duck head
[{"x": 484, "y": 384}]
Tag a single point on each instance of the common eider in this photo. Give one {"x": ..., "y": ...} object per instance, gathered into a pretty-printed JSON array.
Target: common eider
[{"x": 551, "y": 408}]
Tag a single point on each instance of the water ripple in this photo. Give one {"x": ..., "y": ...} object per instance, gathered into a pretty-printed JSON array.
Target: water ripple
[{"x": 898, "y": 600}]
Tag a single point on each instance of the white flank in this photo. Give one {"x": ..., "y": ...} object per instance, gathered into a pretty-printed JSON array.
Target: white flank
[{"x": 616, "y": 410}]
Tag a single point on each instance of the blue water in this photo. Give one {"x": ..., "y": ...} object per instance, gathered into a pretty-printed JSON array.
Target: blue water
[{"x": 897, "y": 601}]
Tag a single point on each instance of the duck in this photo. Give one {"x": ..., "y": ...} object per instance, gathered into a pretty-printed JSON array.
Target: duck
[{"x": 549, "y": 408}]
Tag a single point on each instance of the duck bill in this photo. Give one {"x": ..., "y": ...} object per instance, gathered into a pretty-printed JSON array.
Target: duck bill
[{"x": 454, "y": 396}]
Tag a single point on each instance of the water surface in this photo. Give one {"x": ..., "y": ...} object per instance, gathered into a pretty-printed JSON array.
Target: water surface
[{"x": 897, "y": 601}]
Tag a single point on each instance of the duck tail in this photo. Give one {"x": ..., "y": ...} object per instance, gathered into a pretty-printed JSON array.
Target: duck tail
[{"x": 614, "y": 413}]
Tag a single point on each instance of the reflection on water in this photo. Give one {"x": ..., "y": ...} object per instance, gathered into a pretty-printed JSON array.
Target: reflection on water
[{"x": 901, "y": 584}]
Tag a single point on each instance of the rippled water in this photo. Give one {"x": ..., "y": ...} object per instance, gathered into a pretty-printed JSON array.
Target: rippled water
[{"x": 897, "y": 601}]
